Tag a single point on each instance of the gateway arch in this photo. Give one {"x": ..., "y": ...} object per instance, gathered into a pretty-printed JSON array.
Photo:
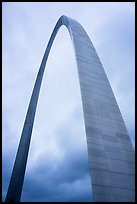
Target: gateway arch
[{"x": 110, "y": 151}]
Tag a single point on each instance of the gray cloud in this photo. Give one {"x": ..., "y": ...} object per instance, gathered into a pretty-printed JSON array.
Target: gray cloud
[{"x": 63, "y": 181}]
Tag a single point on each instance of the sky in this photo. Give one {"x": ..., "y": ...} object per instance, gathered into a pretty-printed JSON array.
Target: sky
[{"x": 57, "y": 167}]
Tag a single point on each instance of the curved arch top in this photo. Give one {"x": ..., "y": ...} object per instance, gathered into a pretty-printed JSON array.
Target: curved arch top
[{"x": 105, "y": 129}]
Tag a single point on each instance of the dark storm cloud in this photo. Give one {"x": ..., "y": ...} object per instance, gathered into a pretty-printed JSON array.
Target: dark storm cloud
[{"x": 69, "y": 181}]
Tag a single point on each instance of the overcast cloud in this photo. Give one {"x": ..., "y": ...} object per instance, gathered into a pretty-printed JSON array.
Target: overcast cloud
[{"x": 57, "y": 168}]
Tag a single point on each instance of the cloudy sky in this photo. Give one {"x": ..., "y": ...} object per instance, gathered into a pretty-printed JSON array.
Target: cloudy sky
[{"x": 57, "y": 168}]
